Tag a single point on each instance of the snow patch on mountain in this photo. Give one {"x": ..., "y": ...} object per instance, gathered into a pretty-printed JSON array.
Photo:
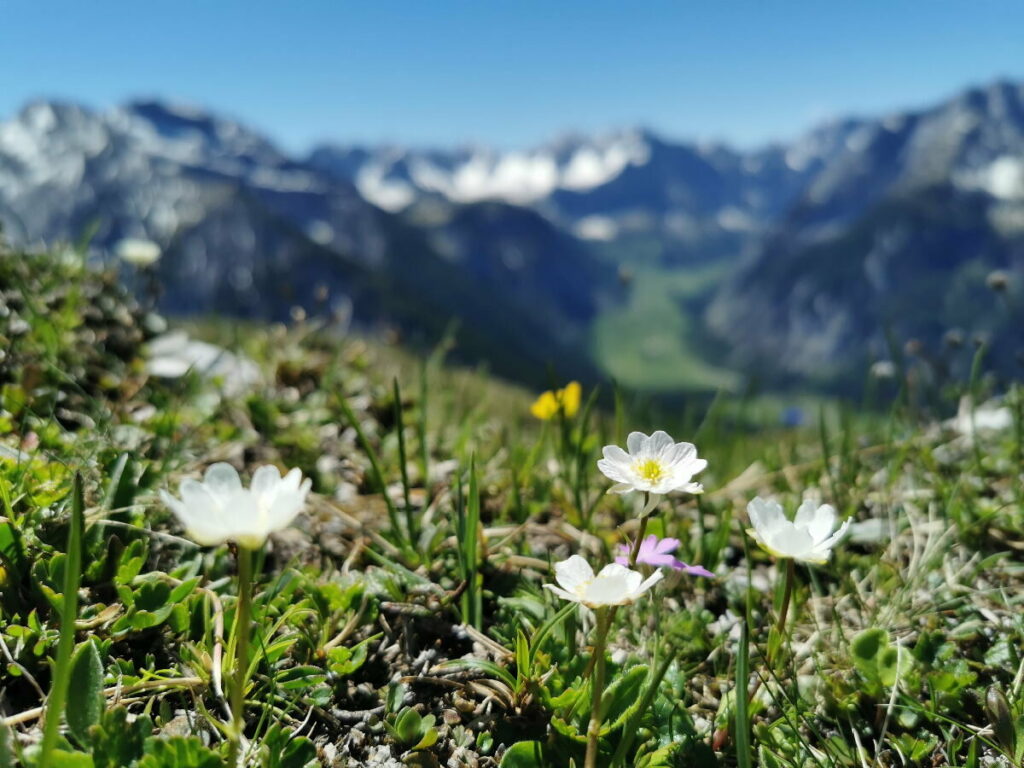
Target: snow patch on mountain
[
  {"x": 1003, "y": 178},
  {"x": 394, "y": 179},
  {"x": 599, "y": 228}
]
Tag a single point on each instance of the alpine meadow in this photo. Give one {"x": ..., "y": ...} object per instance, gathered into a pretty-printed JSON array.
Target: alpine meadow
[{"x": 511, "y": 385}]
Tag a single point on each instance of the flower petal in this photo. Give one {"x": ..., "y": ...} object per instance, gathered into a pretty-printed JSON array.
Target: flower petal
[
  {"x": 562, "y": 593},
  {"x": 635, "y": 443},
  {"x": 621, "y": 488},
  {"x": 789, "y": 540},
  {"x": 805, "y": 513},
  {"x": 822, "y": 522},
  {"x": 658, "y": 561},
  {"x": 569, "y": 398},
  {"x": 832, "y": 540},
  {"x": 613, "y": 570},
  {"x": 614, "y": 471},
  {"x": 696, "y": 466},
  {"x": 765, "y": 514},
  {"x": 198, "y": 500},
  {"x": 616, "y": 455},
  {"x": 681, "y": 452},
  {"x": 613, "y": 586},
  {"x": 221, "y": 479},
  {"x": 693, "y": 570},
  {"x": 573, "y": 572},
  {"x": 545, "y": 406},
  {"x": 283, "y": 511},
  {"x": 172, "y": 503},
  {"x": 649, "y": 582},
  {"x": 660, "y": 442},
  {"x": 265, "y": 480},
  {"x": 667, "y": 545}
]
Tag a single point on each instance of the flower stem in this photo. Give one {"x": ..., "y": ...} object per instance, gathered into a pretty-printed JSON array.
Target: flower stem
[
  {"x": 635, "y": 552},
  {"x": 650, "y": 502},
  {"x": 780, "y": 624},
  {"x": 597, "y": 688},
  {"x": 243, "y": 617},
  {"x": 786, "y": 595}
]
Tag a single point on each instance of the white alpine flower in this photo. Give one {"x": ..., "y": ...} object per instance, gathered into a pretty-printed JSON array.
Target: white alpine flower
[
  {"x": 614, "y": 585},
  {"x": 655, "y": 465},
  {"x": 141, "y": 253},
  {"x": 219, "y": 509},
  {"x": 808, "y": 537}
]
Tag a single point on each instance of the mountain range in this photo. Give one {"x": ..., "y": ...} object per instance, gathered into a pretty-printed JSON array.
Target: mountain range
[
  {"x": 250, "y": 232},
  {"x": 859, "y": 235}
]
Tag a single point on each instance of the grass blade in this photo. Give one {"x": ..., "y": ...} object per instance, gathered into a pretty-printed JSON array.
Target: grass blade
[
  {"x": 742, "y": 712},
  {"x": 69, "y": 612},
  {"x": 467, "y": 522},
  {"x": 378, "y": 475},
  {"x": 410, "y": 520}
]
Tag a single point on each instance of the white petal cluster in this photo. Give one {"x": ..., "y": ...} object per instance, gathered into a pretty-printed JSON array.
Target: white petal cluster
[
  {"x": 614, "y": 585},
  {"x": 654, "y": 464},
  {"x": 808, "y": 537},
  {"x": 141, "y": 253},
  {"x": 984, "y": 419},
  {"x": 219, "y": 509}
]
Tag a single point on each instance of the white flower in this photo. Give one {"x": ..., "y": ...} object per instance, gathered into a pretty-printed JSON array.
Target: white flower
[
  {"x": 808, "y": 537},
  {"x": 141, "y": 253},
  {"x": 219, "y": 509},
  {"x": 614, "y": 585},
  {"x": 883, "y": 369},
  {"x": 986, "y": 418},
  {"x": 654, "y": 464}
]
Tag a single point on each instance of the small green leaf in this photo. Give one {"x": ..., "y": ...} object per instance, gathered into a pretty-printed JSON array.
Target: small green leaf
[
  {"x": 568, "y": 730},
  {"x": 408, "y": 727},
  {"x": 282, "y": 749},
  {"x": 484, "y": 665},
  {"x": 300, "y": 678},
  {"x": 61, "y": 759},
  {"x": 345, "y": 661},
  {"x": 183, "y": 590},
  {"x": 177, "y": 752},
  {"x": 767, "y": 759},
  {"x": 522, "y": 655},
  {"x": 85, "y": 693},
  {"x": 131, "y": 561},
  {"x": 6, "y": 746},
  {"x": 428, "y": 740},
  {"x": 622, "y": 697},
  {"x": 866, "y": 646},
  {"x": 888, "y": 661},
  {"x": 484, "y": 743},
  {"x": 121, "y": 487},
  {"x": 116, "y": 742},
  {"x": 524, "y": 754}
]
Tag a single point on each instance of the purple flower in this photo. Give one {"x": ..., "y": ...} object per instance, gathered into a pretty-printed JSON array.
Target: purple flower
[{"x": 657, "y": 552}]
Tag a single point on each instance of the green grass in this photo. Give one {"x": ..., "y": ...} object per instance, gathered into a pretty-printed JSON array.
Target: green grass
[
  {"x": 380, "y": 642},
  {"x": 647, "y": 344}
]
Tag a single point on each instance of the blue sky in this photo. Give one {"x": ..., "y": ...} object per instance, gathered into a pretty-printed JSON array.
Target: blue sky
[{"x": 509, "y": 73}]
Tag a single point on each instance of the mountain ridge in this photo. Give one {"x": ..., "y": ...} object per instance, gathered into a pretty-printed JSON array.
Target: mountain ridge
[
  {"x": 537, "y": 236},
  {"x": 245, "y": 227}
]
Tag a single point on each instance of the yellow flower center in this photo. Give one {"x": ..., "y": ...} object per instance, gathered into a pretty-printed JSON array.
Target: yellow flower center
[
  {"x": 650, "y": 470},
  {"x": 580, "y": 590}
]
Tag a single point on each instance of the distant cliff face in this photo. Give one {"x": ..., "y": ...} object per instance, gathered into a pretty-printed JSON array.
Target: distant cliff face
[
  {"x": 913, "y": 233},
  {"x": 923, "y": 268}
]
